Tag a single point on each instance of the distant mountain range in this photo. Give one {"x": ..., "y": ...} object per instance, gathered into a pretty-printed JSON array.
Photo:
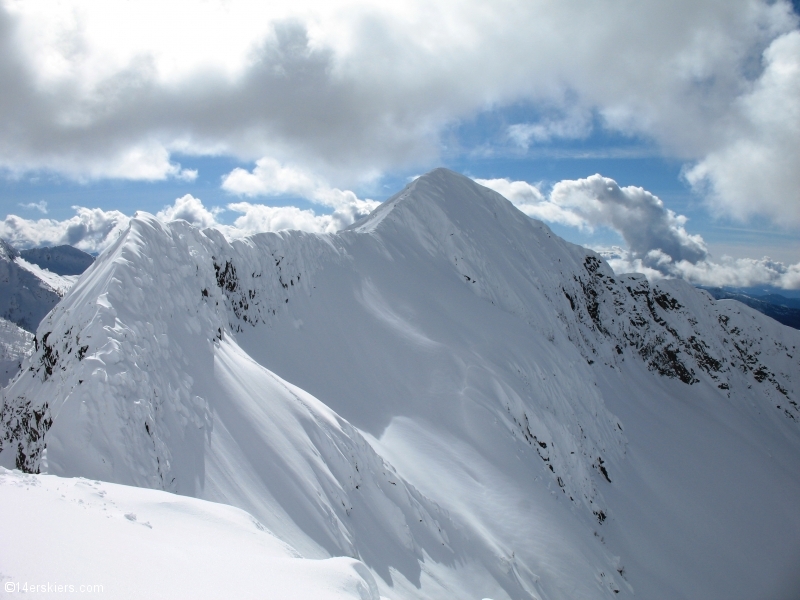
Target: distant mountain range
[
  {"x": 33, "y": 281},
  {"x": 782, "y": 309},
  {"x": 61, "y": 260}
]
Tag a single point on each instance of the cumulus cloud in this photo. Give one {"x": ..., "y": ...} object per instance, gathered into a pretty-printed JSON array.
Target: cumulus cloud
[
  {"x": 259, "y": 217},
  {"x": 192, "y": 210},
  {"x": 270, "y": 178},
  {"x": 658, "y": 244},
  {"x": 364, "y": 86},
  {"x": 91, "y": 230},
  {"x": 637, "y": 215},
  {"x": 529, "y": 199},
  {"x": 756, "y": 170},
  {"x": 256, "y": 218}
]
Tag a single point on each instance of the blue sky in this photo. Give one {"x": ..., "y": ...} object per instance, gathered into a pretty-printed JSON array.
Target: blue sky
[{"x": 252, "y": 116}]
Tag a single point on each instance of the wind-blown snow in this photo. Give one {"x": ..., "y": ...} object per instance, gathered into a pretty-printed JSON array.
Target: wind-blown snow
[{"x": 446, "y": 391}]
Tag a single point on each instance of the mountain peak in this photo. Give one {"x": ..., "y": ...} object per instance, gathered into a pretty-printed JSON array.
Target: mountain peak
[{"x": 439, "y": 197}]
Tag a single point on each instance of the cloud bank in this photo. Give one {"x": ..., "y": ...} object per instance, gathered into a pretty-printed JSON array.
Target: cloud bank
[
  {"x": 350, "y": 89},
  {"x": 727, "y": 271},
  {"x": 658, "y": 244},
  {"x": 94, "y": 230},
  {"x": 91, "y": 230}
]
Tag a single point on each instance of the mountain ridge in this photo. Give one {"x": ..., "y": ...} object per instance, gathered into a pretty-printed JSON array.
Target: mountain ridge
[
  {"x": 61, "y": 260},
  {"x": 180, "y": 361}
]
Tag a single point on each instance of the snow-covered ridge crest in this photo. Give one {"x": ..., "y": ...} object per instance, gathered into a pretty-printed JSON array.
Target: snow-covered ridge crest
[
  {"x": 137, "y": 379},
  {"x": 285, "y": 373},
  {"x": 518, "y": 264}
]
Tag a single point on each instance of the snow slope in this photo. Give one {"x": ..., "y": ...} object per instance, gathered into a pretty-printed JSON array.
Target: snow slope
[
  {"x": 447, "y": 391},
  {"x": 15, "y": 345},
  {"x": 86, "y": 537}
]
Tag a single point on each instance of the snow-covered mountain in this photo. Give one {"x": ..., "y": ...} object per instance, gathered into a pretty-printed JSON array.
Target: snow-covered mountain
[
  {"x": 61, "y": 260},
  {"x": 783, "y": 310},
  {"x": 446, "y": 391},
  {"x": 27, "y": 291}
]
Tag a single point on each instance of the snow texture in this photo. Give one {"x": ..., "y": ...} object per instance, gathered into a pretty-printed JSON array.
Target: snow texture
[
  {"x": 445, "y": 391},
  {"x": 79, "y": 536}
]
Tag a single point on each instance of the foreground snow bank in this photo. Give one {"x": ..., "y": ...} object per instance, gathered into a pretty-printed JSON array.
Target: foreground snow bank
[{"x": 117, "y": 541}]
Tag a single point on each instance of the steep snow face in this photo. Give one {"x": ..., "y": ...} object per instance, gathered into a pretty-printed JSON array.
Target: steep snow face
[
  {"x": 16, "y": 344},
  {"x": 446, "y": 390}
]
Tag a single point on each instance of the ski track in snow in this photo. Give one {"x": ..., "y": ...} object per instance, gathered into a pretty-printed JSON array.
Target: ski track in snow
[{"x": 446, "y": 391}]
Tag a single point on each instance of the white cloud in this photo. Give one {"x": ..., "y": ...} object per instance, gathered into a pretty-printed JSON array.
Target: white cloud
[
  {"x": 658, "y": 244},
  {"x": 41, "y": 206},
  {"x": 190, "y": 209},
  {"x": 530, "y": 200},
  {"x": 727, "y": 271},
  {"x": 94, "y": 230},
  {"x": 756, "y": 170},
  {"x": 361, "y": 86},
  {"x": 259, "y": 217},
  {"x": 636, "y": 214},
  {"x": 147, "y": 162},
  {"x": 597, "y": 201},
  {"x": 91, "y": 230},
  {"x": 270, "y": 178},
  {"x": 575, "y": 125}
]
